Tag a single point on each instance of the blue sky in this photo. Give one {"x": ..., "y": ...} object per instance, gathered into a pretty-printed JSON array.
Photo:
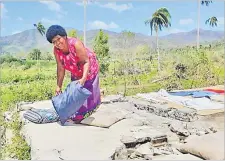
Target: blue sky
[{"x": 114, "y": 16}]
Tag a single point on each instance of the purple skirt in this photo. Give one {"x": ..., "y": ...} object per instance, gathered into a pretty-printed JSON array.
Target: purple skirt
[{"x": 93, "y": 101}]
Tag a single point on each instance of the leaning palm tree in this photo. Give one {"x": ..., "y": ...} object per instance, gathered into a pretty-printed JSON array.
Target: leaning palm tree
[
  {"x": 160, "y": 19},
  {"x": 212, "y": 21},
  {"x": 40, "y": 28},
  {"x": 200, "y": 2}
]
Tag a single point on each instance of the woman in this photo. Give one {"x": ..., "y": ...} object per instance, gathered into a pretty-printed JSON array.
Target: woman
[{"x": 73, "y": 56}]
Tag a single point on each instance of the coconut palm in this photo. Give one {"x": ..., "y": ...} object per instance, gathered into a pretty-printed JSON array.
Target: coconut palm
[
  {"x": 200, "y": 2},
  {"x": 40, "y": 28},
  {"x": 206, "y": 3},
  {"x": 212, "y": 21},
  {"x": 160, "y": 19}
]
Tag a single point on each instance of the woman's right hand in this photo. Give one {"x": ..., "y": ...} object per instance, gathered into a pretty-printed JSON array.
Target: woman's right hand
[{"x": 58, "y": 90}]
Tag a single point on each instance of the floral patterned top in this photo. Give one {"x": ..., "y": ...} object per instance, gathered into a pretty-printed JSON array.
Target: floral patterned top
[{"x": 71, "y": 61}]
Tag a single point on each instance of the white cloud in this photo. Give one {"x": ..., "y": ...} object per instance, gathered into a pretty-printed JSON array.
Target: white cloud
[
  {"x": 19, "y": 18},
  {"x": 111, "y": 5},
  {"x": 4, "y": 11},
  {"x": 220, "y": 20},
  {"x": 102, "y": 25},
  {"x": 48, "y": 22},
  {"x": 186, "y": 21},
  {"x": 54, "y": 6},
  {"x": 118, "y": 8}
]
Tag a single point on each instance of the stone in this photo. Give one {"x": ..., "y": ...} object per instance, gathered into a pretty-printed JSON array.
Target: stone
[
  {"x": 161, "y": 110},
  {"x": 179, "y": 129},
  {"x": 112, "y": 98},
  {"x": 136, "y": 155},
  {"x": 186, "y": 114},
  {"x": 74, "y": 142},
  {"x": 173, "y": 138},
  {"x": 140, "y": 104},
  {"x": 177, "y": 157},
  {"x": 107, "y": 115},
  {"x": 159, "y": 141},
  {"x": 164, "y": 109},
  {"x": 148, "y": 157},
  {"x": 24, "y": 106},
  {"x": 8, "y": 116},
  {"x": 144, "y": 149},
  {"x": 126, "y": 139},
  {"x": 208, "y": 147},
  {"x": 144, "y": 134},
  {"x": 120, "y": 153},
  {"x": 162, "y": 151}
]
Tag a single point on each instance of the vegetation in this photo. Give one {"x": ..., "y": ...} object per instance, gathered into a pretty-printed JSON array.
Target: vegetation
[
  {"x": 212, "y": 21},
  {"x": 128, "y": 71},
  {"x": 73, "y": 33},
  {"x": 101, "y": 48},
  {"x": 160, "y": 19},
  {"x": 180, "y": 69},
  {"x": 40, "y": 27}
]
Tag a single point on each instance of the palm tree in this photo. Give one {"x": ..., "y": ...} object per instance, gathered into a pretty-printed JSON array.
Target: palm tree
[
  {"x": 161, "y": 18},
  {"x": 40, "y": 28},
  {"x": 200, "y": 2},
  {"x": 212, "y": 21},
  {"x": 206, "y": 3}
]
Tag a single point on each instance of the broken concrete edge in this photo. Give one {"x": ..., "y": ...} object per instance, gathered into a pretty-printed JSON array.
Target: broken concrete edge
[
  {"x": 160, "y": 111},
  {"x": 184, "y": 114},
  {"x": 28, "y": 140}
]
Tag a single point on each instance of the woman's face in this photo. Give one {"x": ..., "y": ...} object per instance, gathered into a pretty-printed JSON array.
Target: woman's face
[{"x": 59, "y": 42}]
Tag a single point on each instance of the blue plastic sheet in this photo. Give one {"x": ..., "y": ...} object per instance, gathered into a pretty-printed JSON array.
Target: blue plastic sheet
[
  {"x": 194, "y": 94},
  {"x": 69, "y": 102}
]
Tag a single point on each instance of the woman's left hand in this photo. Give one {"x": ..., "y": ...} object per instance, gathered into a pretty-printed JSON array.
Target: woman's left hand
[{"x": 82, "y": 81}]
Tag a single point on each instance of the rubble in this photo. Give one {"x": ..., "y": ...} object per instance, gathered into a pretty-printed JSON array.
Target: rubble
[
  {"x": 163, "y": 110},
  {"x": 139, "y": 135}
]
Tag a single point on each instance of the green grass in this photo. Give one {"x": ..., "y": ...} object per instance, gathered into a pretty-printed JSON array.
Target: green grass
[{"x": 18, "y": 148}]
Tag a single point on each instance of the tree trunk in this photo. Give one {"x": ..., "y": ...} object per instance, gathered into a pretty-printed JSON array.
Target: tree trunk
[
  {"x": 85, "y": 3},
  {"x": 157, "y": 47},
  {"x": 198, "y": 27}
]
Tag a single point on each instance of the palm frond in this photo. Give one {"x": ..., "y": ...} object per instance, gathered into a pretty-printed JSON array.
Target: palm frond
[{"x": 159, "y": 20}]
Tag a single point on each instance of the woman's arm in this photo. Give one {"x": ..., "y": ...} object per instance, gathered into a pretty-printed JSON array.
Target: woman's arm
[
  {"x": 83, "y": 57},
  {"x": 60, "y": 72}
]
